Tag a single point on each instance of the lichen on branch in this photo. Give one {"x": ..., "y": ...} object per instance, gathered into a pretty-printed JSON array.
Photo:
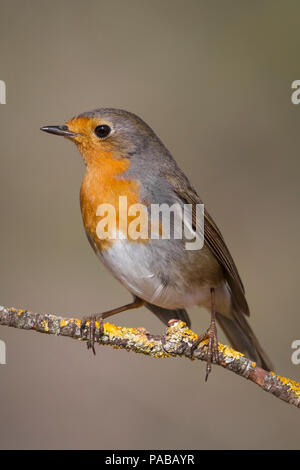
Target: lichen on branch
[{"x": 178, "y": 340}]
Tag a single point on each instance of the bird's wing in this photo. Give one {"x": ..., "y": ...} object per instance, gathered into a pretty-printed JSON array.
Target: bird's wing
[{"x": 214, "y": 240}]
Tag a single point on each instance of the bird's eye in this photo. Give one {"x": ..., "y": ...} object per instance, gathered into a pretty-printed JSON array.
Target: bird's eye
[{"x": 102, "y": 131}]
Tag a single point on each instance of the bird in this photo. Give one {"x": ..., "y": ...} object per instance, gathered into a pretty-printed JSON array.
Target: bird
[{"x": 124, "y": 157}]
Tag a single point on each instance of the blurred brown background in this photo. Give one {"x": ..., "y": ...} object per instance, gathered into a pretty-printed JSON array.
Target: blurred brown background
[{"x": 213, "y": 79}]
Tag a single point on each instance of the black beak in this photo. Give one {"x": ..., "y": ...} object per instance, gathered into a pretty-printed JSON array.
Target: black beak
[{"x": 59, "y": 130}]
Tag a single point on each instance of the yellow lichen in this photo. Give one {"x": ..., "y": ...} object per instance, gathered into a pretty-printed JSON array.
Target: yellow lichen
[
  {"x": 180, "y": 330},
  {"x": 134, "y": 336},
  {"x": 292, "y": 384},
  {"x": 119, "y": 331},
  {"x": 227, "y": 351},
  {"x": 45, "y": 325}
]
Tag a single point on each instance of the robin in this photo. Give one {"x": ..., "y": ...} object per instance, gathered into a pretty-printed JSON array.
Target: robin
[{"x": 125, "y": 158}]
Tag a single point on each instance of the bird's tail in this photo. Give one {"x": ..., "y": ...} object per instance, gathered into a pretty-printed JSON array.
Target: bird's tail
[
  {"x": 242, "y": 338},
  {"x": 165, "y": 315}
]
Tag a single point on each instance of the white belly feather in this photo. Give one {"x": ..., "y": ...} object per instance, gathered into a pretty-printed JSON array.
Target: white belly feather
[{"x": 131, "y": 265}]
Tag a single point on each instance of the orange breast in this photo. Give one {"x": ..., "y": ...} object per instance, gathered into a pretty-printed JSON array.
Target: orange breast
[{"x": 103, "y": 184}]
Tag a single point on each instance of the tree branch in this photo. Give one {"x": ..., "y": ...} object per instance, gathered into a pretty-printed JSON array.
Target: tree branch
[{"x": 177, "y": 341}]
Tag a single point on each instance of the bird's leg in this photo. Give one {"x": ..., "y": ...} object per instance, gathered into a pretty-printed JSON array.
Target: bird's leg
[
  {"x": 211, "y": 335},
  {"x": 137, "y": 302}
]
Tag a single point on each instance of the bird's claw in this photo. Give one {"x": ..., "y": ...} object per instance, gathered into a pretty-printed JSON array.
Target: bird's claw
[
  {"x": 90, "y": 323},
  {"x": 212, "y": 347}
]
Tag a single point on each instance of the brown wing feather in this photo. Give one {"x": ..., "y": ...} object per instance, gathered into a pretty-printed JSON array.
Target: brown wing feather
[{"x": 215, "y": 241}]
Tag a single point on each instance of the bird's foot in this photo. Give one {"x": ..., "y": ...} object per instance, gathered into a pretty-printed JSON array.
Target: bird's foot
[
  {"x": 212, "y": 347},
  {"x": 90, "y": 322}
]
